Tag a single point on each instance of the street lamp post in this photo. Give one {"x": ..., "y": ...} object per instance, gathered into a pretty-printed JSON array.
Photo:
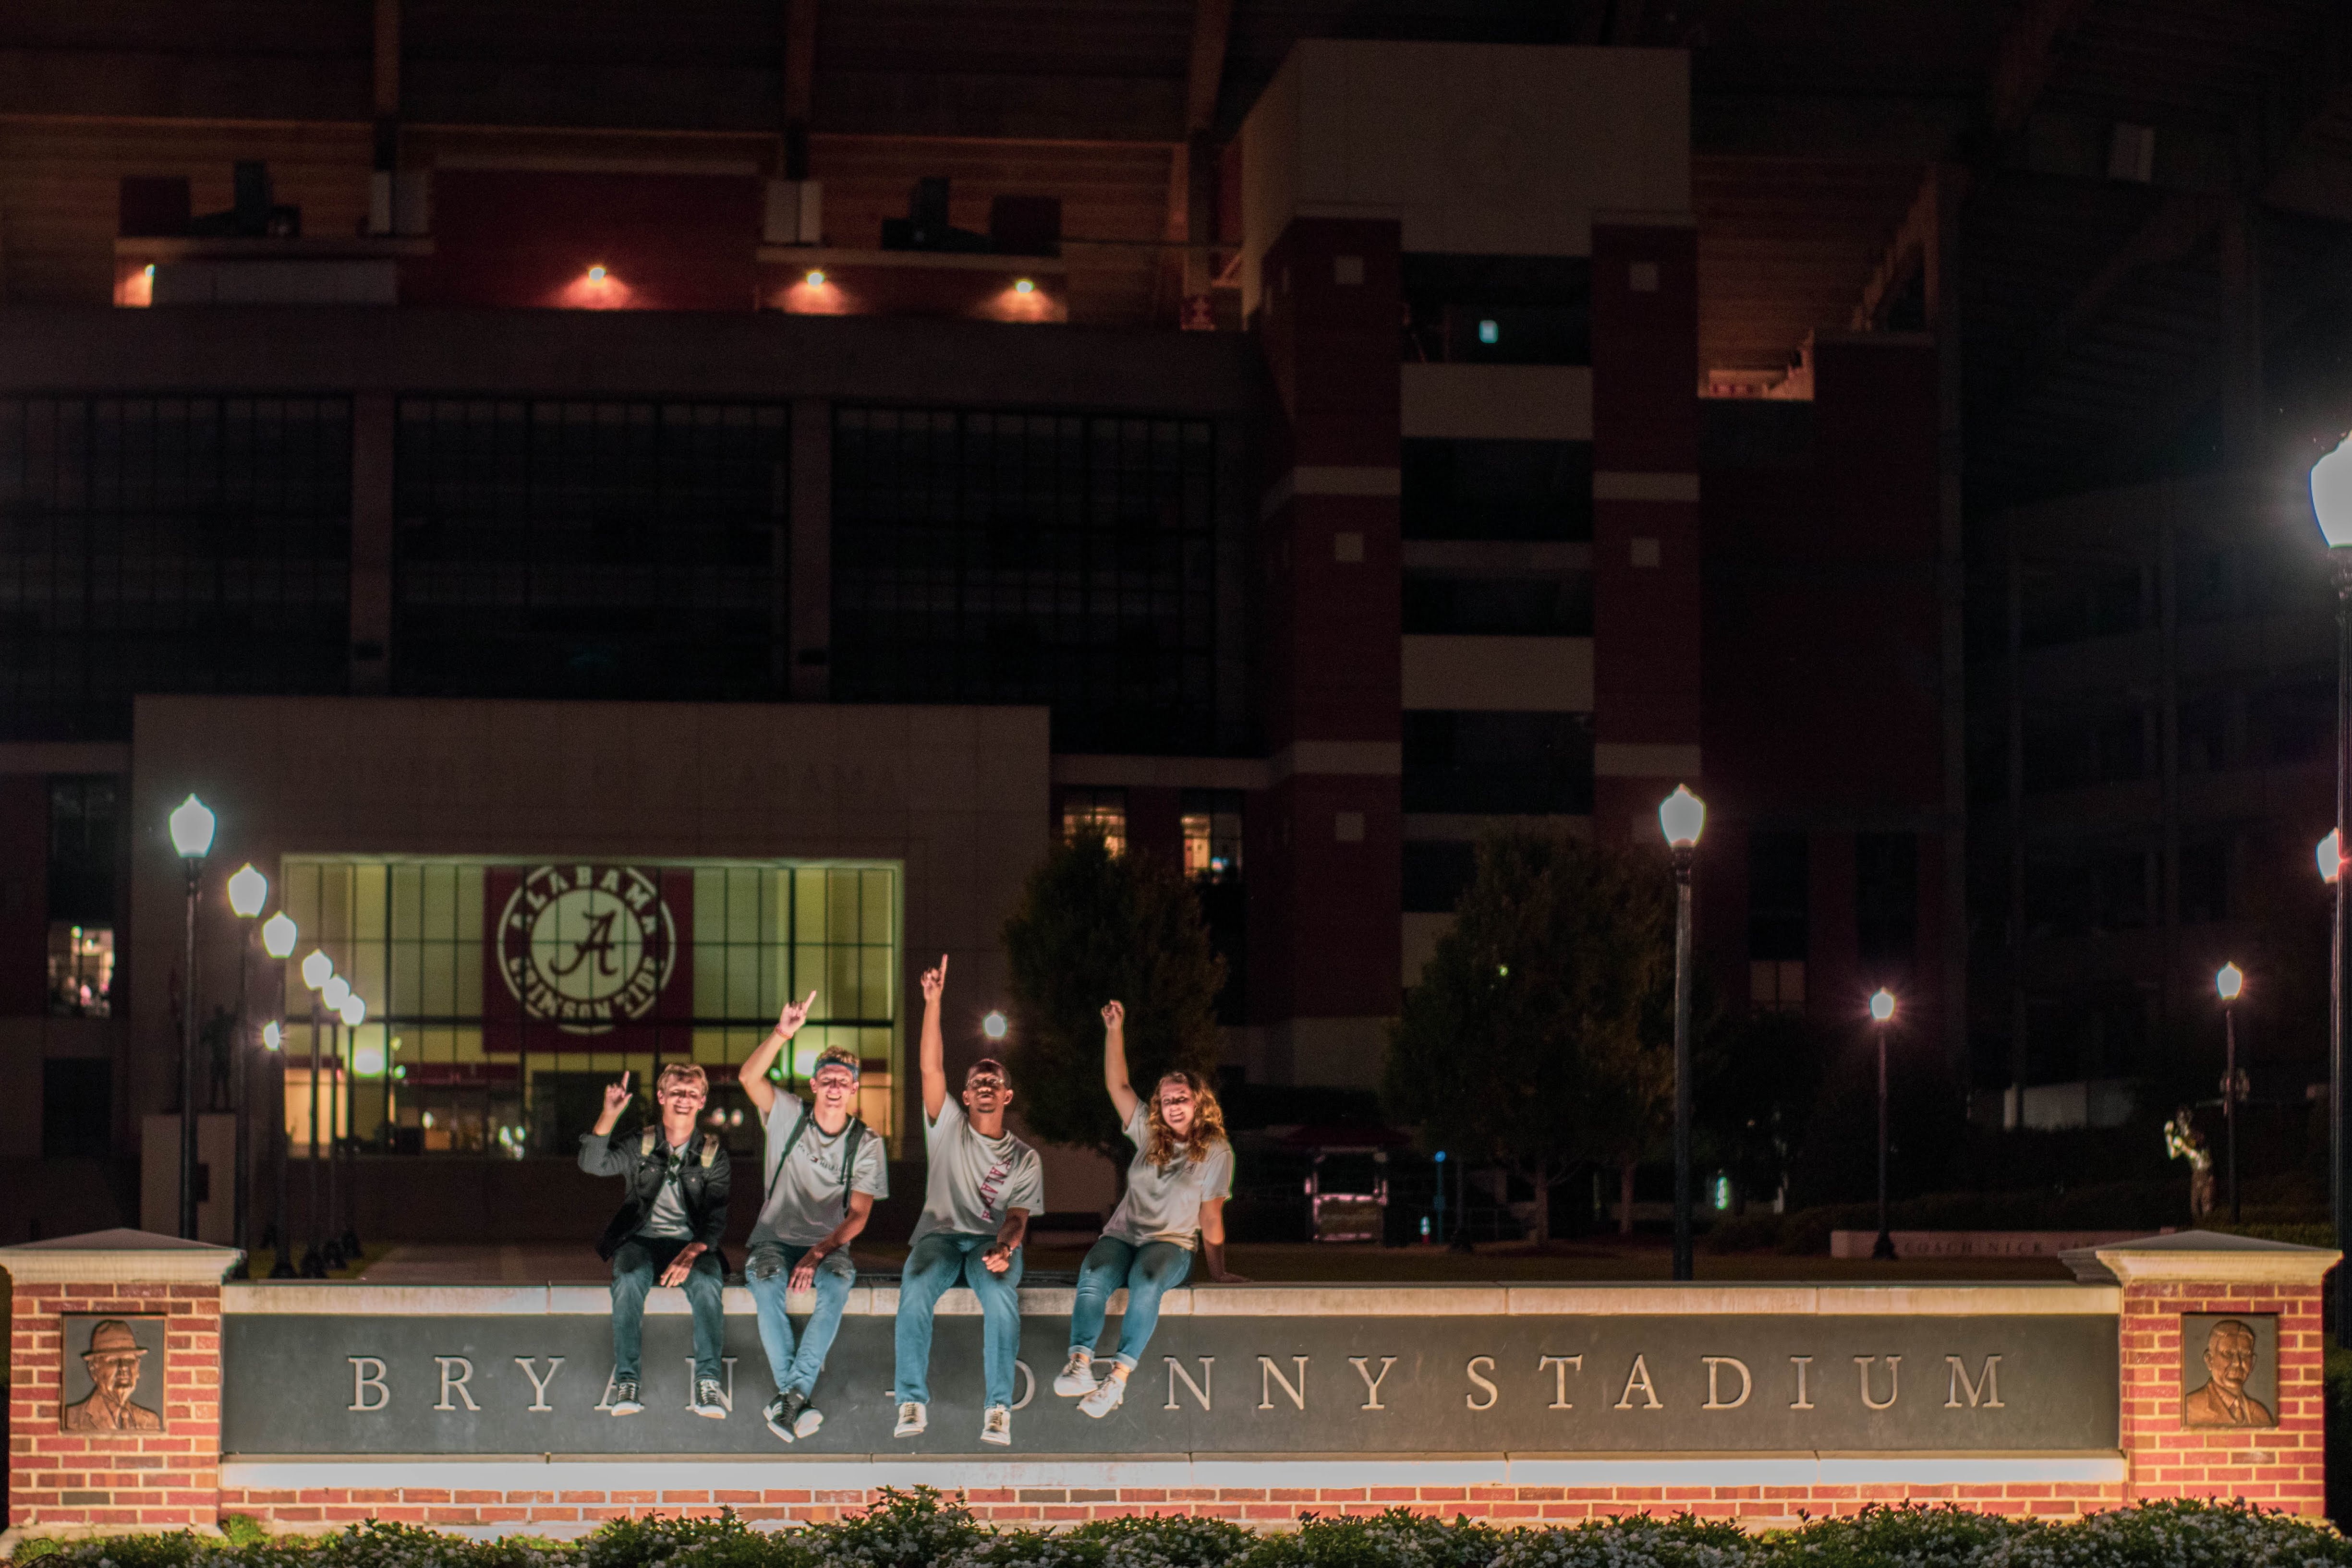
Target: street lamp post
[
  {"x": 317, "y": 971},
  {"x": 2230, "y": 982},
  {"x": 337, "y": 994},
  {"x": 347, "y": 1240},
  {"x": 1683, "y": 816},
  {"x": 2331, "y": 503},
  {"x": 278, "y": 937},
  {"x": 248, "y": 891},
  {"x": 192, "y": 834},
  {"x": 1882, "y": 1013}
]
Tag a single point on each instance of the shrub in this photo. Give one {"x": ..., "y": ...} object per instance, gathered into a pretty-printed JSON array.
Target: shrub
[{"x": 922, "y": 1529}]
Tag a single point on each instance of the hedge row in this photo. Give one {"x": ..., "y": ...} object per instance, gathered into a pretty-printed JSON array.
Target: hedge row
[{"x": 924, "y": 1529}]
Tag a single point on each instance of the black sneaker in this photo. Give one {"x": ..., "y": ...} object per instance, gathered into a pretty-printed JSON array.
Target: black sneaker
[
  {"x": 778, "y": 1415},
  {"x": 807, "y": 1418},
  {"x": 708, "y": 1399},
  {"x": 625, "y": 1397}
]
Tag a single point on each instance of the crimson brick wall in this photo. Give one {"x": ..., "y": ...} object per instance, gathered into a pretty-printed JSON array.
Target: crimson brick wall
[
  {"x": 2284, "y": 1466},
  {"x": 332, "y": 1507},
  {"x": 60, "y": 1481}
]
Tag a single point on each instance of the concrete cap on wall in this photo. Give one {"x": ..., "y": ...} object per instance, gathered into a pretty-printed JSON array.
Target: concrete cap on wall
[
  {"x": 2205, "y": 1256},
  {"x": 118, "y": 1256}
]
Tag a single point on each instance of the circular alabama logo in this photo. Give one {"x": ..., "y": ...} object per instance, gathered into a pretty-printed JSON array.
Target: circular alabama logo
[{"x": 585, "y": 947}]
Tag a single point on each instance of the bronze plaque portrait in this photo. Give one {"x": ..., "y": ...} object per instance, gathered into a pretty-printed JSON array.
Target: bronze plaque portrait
[
  {"x": 2229, "y": 1369},
  {"x": 114, "y": 1374}
]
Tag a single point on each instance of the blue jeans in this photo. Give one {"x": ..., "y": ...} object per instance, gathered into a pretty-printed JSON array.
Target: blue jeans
[
  {"x": 797, "y": 1371},
  {"x": 931, "y": 1270},
  {"x": 636, "y": 1265},
  {"x": 1149, "y": 1272}
]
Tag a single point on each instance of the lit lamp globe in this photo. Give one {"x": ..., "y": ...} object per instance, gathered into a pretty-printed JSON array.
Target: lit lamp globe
[
  {"x": 2331, "y": 495},
  {"x": 1682, "y": 815},
  {"x": 271, "y": 1034},
  {"x": 192, "y": 828},
  {"x": 317, "y": 969},
  {"x": 1881, "y": 1004},
  {"x": 335, "y": 993},
  {"x": 248, "y": 890},
  {"x": 277, "y": 934},
  {"x": 2331, "y": 858},
  {"x": 354, "y": 1011},
  {"x": 2230, "y": 982}
]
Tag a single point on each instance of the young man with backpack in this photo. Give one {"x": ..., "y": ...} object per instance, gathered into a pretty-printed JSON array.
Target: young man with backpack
[
  {"x": 823, "y": 1171},
  {"x": 667, "y": 1227}
]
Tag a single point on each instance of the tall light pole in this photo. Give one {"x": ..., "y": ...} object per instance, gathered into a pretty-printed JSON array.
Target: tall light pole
[
  {"x": 248, "y": 890},
  {"x": 2228, "y": 983},
  {"x": 347, "y": 1240},
  {"x": 1882, "y": 1013},
  {"x": 191, "y": 835},
  {"x": 278, "y": 937},
  {"x": 317, "y": 971},
  {"x": 2331, "y": 503},
  {"x": 337, "y": 994},
  {"x": 1683, "y": 816}
]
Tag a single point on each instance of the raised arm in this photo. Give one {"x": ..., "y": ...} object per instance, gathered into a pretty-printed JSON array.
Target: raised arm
[
  {"x": 933, "y": 1051},
  {"x": 753, "y": 1074},
  {"x": 1122, "y": 1093},
  {"x": 596, "y": 1156}
]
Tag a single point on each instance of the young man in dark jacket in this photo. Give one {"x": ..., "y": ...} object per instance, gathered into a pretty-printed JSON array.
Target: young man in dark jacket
[{"x": 669, "y": 1227}]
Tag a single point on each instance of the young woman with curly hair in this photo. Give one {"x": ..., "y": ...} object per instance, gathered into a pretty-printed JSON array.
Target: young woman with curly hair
[{"x": 1176, "y": 1191}]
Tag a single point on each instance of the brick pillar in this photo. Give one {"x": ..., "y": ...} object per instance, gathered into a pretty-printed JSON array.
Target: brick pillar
[
  {"x": 117, "y": 1287},
  {"x": 2176, "y": 1292},
  {"x": 1646, "y": 605},
  {"x": 1327, "y": 899}
]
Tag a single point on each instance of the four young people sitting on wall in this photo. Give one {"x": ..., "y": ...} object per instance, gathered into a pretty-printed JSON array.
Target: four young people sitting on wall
[{"x": 821, "y": 1171}]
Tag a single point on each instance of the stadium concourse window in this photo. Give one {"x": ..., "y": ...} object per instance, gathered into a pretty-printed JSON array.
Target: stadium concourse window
[
  {"x": 1211, "y": 824},
  {"x": 1512, "y": 764},
  {"x": 85, "y": 825},
  {"x": 1778, "y": 919},
  {"x": 1063, "y": 559},
  {"x": 615, "y": 550},
  {"x": 503, "y": 995},
  {"x": 168, "y": 544},
  {"x": 1537, "y": 491},
  {"x": 1096, "y": 811}
]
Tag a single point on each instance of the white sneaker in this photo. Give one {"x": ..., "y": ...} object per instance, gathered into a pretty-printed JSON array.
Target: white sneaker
[
  {"x": 912, "y": 1419},
  {"x": 1105, "y": 1398},
  {"x": 1077, "y": 1377},
  {"x": 996, "y": 1427}
]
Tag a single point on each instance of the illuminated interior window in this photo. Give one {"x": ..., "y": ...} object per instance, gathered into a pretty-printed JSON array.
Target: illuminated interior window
[
  {"x": 81, "y": 969},
  {"x": 676, "y": 962},
  {"x": 1213, "y": 834},
  {"x": 1101, "y": 811}
]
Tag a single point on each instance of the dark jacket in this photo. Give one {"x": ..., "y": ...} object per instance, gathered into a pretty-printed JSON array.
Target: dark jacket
[{"x": 640, "y": 1161}]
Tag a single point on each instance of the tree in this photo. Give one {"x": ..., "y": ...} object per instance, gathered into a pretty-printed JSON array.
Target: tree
[
  {"x": 1542, "y": 1033},
  {"x": 1756, "y": 1099},
  {"x": 1091, "y": 927}
]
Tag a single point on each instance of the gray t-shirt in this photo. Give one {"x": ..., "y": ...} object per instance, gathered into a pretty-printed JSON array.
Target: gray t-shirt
[
  {"x": 1163, "y": 1204},
  {"x": 804, "y": 1200},
  {"x": 973, "y": 1182},
  {"x": 667, "y": 1221}
]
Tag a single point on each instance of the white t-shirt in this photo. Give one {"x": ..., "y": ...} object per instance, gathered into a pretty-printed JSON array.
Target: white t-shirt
[
  {"x": 804, "y": 1201},
  {"x": 973, "y": 1181},
  {"x": 1163, "y": 1203}
]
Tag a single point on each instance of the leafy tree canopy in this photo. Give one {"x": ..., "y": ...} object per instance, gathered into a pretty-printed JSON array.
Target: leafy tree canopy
[{"x": 1091, "y": 927}]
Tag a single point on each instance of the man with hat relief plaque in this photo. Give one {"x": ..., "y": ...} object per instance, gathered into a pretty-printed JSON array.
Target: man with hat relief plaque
[
  {"x": 114, "y": 1359},
  {"x": 2224, "y": 1401}
]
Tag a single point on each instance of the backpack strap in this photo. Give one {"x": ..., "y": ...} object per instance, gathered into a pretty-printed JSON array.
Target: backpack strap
[
  {"x": 855, "y": 1131},
  {"x": 709, "y": 1149},
  {"x": 646, "y": 1142},
  {"x": 798, "y": 1127}
]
